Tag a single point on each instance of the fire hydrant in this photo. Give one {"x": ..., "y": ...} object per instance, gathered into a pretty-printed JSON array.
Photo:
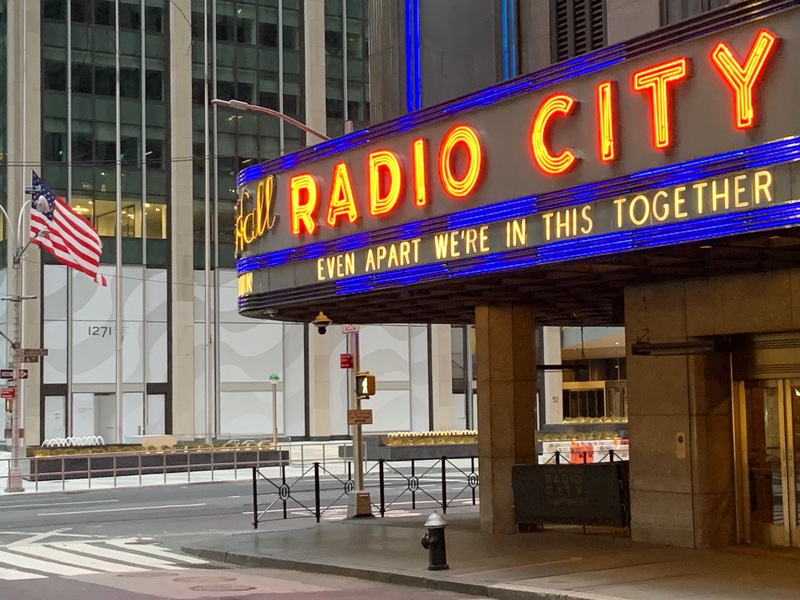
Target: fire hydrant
[{"x": 433, "y": 542}]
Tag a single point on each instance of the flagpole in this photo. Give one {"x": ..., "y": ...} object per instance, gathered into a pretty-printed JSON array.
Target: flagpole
[
  {"x": 118, "y": 237},
  {"x": 69, "y": 421},
  {"x": 207, "y": 347}
]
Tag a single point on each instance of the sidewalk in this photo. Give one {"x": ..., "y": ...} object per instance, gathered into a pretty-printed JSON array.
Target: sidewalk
[{"x": 559, "y": 563}]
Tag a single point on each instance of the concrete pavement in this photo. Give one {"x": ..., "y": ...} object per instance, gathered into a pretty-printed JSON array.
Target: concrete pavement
[{"x": 558, "y": 563}]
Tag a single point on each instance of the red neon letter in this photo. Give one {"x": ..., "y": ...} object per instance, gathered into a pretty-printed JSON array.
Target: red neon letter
[
  {"x": 742, "y": 78},
  {"x": 303, "y": 208},
  {"x": 468, "y": 137},
  {"x": 421, "y": 172},
  {"x": 552, "y": 164},
  {"x": 380, "y": 162},
  {"x": 655, "y": 79},
  {"x": 606, "y": 127},
  {"x": 341, "y": 202}
]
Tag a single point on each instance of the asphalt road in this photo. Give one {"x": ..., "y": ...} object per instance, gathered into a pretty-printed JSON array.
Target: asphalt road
[{"x": 124, "y": 544}]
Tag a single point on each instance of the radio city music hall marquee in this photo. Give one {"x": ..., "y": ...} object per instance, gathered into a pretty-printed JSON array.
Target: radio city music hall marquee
[{"x": 543, "y": 171}]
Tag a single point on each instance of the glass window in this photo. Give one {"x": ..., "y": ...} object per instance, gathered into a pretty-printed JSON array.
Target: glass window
[
  {"x": 80, "y": 11},
  {"x": 154, "y": 85},
  {"x": 155, "y": 154},
  {"x": 81, "y": 147},
  {"x": 268, "y": 35},
  {"x": 268, "y": 99},
  {"x": 129, "y": 83},
  {"x": 154, "y": 19},
  {"x": 55, "y": 9},
  {"x": 53, "y": 147},
  {"x": 198, "y": 92},
  {"x": 333, "y": 42},
  {"x": 225, "y": 28},
  {"x": 197, "y": 25},
  {"x": 55, "y": 76},
  {"x": 291, "y": 38},
  {"x": 105, "y": 83},
  {"x": 129, "y": 16},
  {"x": 81, "y": 79},
  {"x": 104, "y": 12}
]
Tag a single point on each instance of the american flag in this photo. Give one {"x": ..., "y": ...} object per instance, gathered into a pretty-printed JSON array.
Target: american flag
[{"x": 68, "y": 236}]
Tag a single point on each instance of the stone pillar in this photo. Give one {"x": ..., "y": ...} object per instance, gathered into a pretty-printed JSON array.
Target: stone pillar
[
  {"x": 682, "y": 492},
  {"x": 23, "y": 155},
  {"x": 506, "y": 372},
  {"x": 314, "y": 30},
  {"x": 181, "y": 219}
]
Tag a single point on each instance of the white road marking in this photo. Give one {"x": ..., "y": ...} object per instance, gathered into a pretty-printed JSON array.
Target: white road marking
[
  {"x": 13, "y": 575},
  {"x": 25, "y": 562},
  {"x": 111, "y": 554},
  {"x": 49, "y": 504},
  {"x": 78, "y": 560},
  {"x": 131, "y": 509},
  {"x": 157, "y": 551}
]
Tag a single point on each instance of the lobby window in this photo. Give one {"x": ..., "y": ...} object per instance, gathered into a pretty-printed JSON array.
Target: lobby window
[
  {"x": 577, "y": 27},
  {"x": 673, "y": 11}
]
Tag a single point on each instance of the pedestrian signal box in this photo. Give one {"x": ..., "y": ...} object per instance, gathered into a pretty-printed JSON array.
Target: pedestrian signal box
[{"x": 365, "y": 385}]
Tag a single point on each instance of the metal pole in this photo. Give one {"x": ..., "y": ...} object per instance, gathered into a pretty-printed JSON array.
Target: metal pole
[
  {"x": 14, "y": 483},
  {"x": 118, "y": 237},
  {"x": 207, "y": 347},
  {"x": 274, "y": 414},
  {"x": 357, "y": 447}
]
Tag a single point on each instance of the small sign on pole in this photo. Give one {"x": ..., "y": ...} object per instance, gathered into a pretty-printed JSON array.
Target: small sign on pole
[
  {"x": 349, "y": 328},
  {"x": 34, "y": 352},
  {"x": 346, "y": 361},
  {"x": 359, "y": 417},
  {"x": 8, "y": 392},
  {"x": 9, "y": 373},
  {"x": 30, "y": 359}
]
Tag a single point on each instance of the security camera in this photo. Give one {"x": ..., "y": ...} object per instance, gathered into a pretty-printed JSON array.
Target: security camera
[
  {"x": 321, "y": 322},
  {"x": 271, "y": 312}
]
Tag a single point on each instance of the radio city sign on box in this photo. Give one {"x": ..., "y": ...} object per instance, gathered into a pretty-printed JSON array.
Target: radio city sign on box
[{"x": 508, "y": 166}]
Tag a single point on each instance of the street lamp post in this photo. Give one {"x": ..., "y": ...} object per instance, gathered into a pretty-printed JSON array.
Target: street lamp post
[
  {"x": 246, "y": 106},
  {"x": 14, "y": 481},
  {"x": 274, "y": 379}
]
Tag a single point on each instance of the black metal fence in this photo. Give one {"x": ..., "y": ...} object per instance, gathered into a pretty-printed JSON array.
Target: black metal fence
[{"x": 316, "y": 491}]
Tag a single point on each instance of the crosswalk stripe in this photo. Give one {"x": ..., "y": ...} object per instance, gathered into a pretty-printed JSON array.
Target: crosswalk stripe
[
  {"x": 156, "y": 551},
  {"x": 41, "y": 551},
  {"x": 25, "y": 562},
  {"x": 13, "y": 575},
  {"x": 110, "y": 553}
]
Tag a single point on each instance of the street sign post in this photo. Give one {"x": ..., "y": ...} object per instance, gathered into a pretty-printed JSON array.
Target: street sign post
[
  {"x": 346, "y": 361},
  {"x": 9, "y": 373},
  {"x": 349, "y": 328},
  {"x": 359, "y": 417},
  {"x": 34, "y": 352},
  {"x": 8, "y": 392}
]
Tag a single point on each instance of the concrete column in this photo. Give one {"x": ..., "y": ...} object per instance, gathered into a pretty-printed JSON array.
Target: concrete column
[
  {"x": 24, "y": 154},
  {"x": 681, "y": 434},
  {"x": 506, "y": 372},
  {"x": 320, "y": 383},
  {"x": 314, "y": 30},
  {"x": 444, "y": 411},
  {"x": 181, "y": 219}
]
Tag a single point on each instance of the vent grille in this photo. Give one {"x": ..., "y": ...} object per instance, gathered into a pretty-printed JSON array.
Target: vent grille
[{"x": 577, "y": 27}]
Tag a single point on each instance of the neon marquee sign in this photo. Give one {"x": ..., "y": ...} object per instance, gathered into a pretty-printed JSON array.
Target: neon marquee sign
[{"x": 454, "y": 163}]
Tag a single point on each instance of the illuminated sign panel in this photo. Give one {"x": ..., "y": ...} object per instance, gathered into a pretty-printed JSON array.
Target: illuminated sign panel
[{"x": 386, "y": 203}]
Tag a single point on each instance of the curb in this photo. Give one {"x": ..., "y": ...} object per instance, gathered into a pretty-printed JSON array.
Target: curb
[{"x": 423, "y": 580}]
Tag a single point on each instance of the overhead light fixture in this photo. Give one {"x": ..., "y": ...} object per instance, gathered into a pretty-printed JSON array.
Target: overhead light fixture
[{"x": 678, "y": 348}]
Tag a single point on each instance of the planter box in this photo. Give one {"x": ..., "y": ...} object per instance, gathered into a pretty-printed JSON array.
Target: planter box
[
  {"x": 50, "y": 468},
  {"x": 375, "y": 450}
]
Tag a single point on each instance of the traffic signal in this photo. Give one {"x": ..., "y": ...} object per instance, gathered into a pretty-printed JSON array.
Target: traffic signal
[
  {"x": 9, "y": 405},
  {"x": 365, "y": 385}
]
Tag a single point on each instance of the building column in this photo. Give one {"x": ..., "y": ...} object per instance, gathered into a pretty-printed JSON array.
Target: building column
[
  {"x": 24, "y": 152},
  {"x": 506, "y": 373},
  {"x": 314, "y": 37},
  {"x": 181, "y": 274},
  {"x": 680, "y": 428}
]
